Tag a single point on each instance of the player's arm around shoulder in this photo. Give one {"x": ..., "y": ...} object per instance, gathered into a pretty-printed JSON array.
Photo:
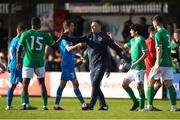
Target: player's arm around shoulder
[
  {"x": 73, "y": 47},
  {"x": 49, "y": 40},
  {"x": 125, "y": 47}
]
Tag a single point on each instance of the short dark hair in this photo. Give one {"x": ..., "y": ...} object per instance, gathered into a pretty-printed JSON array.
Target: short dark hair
[
  {"x": 98, "y": 22},
  {"x": 177, "y": 31},
  {"x": 21, "y": 27},
  {"x": 158, "y": 19},
  {"x": 66, "y": 23},
  {"x": 35, "y": 21},
  {"x": 151, "y": 29},
  {"x": 143, "y": 19},
  {"x": 137, "y": 28}
]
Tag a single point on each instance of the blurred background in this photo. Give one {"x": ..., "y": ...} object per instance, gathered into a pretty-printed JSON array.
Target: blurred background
[{"x": 116, "y": 16}]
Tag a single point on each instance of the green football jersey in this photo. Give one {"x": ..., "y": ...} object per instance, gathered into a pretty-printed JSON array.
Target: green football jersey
[
  {"x": 34, "y": 42},
  {"x": 163, "y": 40},
  {"x": 137, "y": 46}
]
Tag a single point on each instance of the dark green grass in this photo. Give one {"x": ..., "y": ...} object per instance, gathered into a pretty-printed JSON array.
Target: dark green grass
[{"x": 118, "y": 109}]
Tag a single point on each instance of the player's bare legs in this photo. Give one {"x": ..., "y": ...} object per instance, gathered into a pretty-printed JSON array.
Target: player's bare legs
[{"x": 157, "y": 85}]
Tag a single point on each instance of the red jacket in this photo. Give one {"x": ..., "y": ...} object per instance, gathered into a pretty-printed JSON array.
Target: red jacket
[{"x": 151, "y": 57}]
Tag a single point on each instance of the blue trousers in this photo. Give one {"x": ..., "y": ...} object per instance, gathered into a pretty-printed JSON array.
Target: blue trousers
[{"x": 96, "y": 93}]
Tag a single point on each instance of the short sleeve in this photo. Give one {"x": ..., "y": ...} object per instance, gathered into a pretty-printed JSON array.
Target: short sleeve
[
  {"x": 158, "y": 40},
  {"x": 128, "y": 44},
  {"x": 50, "y": 40},
  {"x": 143, "y": 45},
  {"x": 22, "y": 39},
  {"x": 64, "y": 42}
]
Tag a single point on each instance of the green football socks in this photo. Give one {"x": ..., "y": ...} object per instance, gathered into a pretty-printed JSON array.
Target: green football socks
[
  {"x": 131, "y": 94},
  {"x": 25, "y": 97},
  {"x": 150, "y": 95},
  {"x": 172, "y": 94},
  {"x": 141, "y": 99},
  {"x": 44, "y": 97}
]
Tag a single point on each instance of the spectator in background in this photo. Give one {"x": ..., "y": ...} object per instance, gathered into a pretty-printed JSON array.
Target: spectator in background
[
  {"x": 78, "y": 58},
  {"x": 113, "y": 60},
  {"x": 175, "y": 50},
  {"x": 170, "y": 28},
  {"x": 78, "y": 28},
  {"x": 142, "y": 22},
  {"x": 58, "y": 58},
  {"x": 51, "y": 64},
  {"x": 2, "y": 63},
  {"x": 3, "y": 37},
  {"x": 126, "y": 30},
  {"x": 86, "y": 57}
]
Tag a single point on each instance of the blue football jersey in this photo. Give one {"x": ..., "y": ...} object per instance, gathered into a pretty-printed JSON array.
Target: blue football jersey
[
  {"x": 67, "y": 57},
  {"x": 13, "y": 49}
]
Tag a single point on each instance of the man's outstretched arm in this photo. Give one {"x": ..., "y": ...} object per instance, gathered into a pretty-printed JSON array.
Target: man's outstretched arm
[
  {"x": 114, "y": 46},
  {"x": 68, "y": 38}
]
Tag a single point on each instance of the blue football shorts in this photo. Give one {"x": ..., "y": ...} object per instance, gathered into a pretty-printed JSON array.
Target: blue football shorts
[
  {"x": 68, "y": 74},
  {"x": 15, "y": 76}
]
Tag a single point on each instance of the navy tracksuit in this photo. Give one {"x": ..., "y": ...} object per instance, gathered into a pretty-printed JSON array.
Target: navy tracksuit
[{"x": 97, "y": 45}]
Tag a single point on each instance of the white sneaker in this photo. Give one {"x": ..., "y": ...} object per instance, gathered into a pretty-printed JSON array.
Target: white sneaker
[
  {"x": 27, "y": 106},
  {"x": 148, "y": 108},
  {"x": 84, "y": 106},
  {"x": 174, "y": 109},
  {"x": 7, "y": 108}
]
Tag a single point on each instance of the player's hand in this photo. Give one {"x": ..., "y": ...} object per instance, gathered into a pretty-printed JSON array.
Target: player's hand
[
  {"x": 84, "y": 61},
  {"x": 157, "y": 68},
  {"x": 133, "y": 65},
  {"x": 110, "y": 34},
  {"x": 59, "y": 34},
  {"x": 79, "y": 45},
  {"x": 155, "y": 72}
]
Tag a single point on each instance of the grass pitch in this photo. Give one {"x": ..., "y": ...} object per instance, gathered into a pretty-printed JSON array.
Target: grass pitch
[{"x": 118, "y": 109}]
